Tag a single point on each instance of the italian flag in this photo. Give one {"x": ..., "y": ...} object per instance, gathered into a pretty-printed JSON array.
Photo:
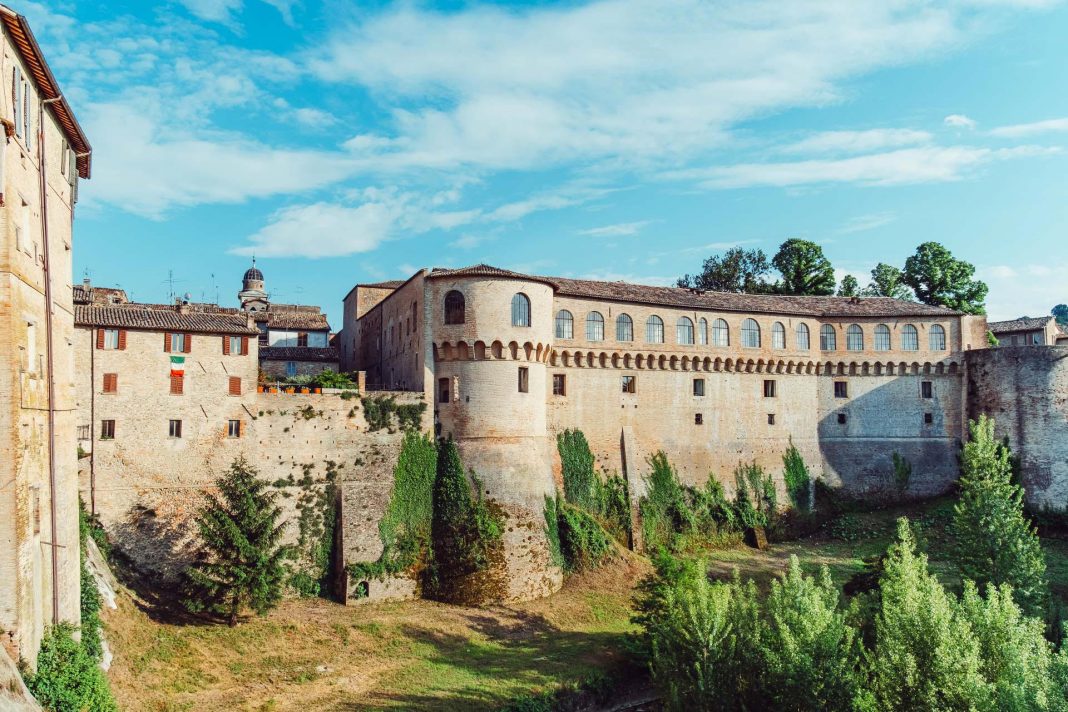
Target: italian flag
[{"x": 177, "y": 365}]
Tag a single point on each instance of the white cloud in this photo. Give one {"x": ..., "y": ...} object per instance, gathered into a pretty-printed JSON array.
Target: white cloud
[
  {"x": 1015, "y": 291},
  {"x": 617, "y": 230},
  {"x": 906, "y": 166},
  {"x": 223, "y": 10},
  {"x": 322, "y": 230},
  {"x": 863, "y": 223},
  {"x": 959, "y": 121},
  {"x": 858, "y": 141},
  {"x": 314, "y": 118},
  {"x": 1031, "y": 129}
]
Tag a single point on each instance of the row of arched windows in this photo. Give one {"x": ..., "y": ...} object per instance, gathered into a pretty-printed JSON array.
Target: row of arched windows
[{"x": 719, "y": 334}]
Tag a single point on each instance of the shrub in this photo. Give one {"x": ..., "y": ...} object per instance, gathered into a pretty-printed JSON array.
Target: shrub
[
  {"x": 996, "y": 543},
  {"x": 754, "y": 496},
  {"x": 68, "y": 678},
  {"x": 378, "y": 411},
  {"x": 902, "y": 473},
  {"x": 583, "y": 543},
  {"x": 798, "y": 480},
  {"x": 91, "y": 628},
  {"x": 239, "y": 562},
  {"x": 552, "y": 530},
  {"x": 332, "y": 379},
  {"x": 681, "y": 517},
  {"x": 582, "y": 487}
]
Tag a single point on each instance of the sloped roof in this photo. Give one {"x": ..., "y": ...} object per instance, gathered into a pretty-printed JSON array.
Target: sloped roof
[
  {"x": 299, "y": 353},
  {"x": 484, "y": 270},
  {"x": 293, "y": 316},
  {"x": 388, "y": 284},
  {"x": 26, "y": 43},
  {"x": 88, "y": 294},
  {"x": 161, "y": 317},
  {"x": 1023, "y": 323}
]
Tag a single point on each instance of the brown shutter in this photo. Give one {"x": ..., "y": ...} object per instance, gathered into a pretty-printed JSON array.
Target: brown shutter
[
  {"x": 188, "y": 343},
  {"x": 176, "y": 384},
  {"x": 244, "y": 346},
  {"x": 166, "y": 342},
  {"x": 122, "y": 339},
  {"x": 226, "y": 345},
  {"x": 100, "y": 338},
  {"x": 235, "y": 385}
]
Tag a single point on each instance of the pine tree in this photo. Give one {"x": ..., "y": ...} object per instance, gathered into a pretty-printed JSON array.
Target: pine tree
[
  {"x": 926, "y": 656},
  {"x": 239, "y": 562},
  {"x": 996, "y": 544}
]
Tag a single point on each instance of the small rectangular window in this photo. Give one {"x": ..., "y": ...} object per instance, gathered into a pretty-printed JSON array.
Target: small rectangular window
[
  {"x": 630, "y": 384},
  {"x": 264, "y": 338},
  {"x": 177, "y": 383},
  {"x": 107, "y": 429},
  {"x": 175, "y": 429},
  {"x": 698, "y": 419},
  {"x": 235, "y": 385},
  {"x": 927, "y": 389},
  {"x": 443, "y": 390},
  {"x": 177, "y": 343},
  {"x": 841, "y": 418},
  {"x": 771, "y": 419},
  {"x": 698, "y": 386},
  {"x": 235, "y": 345},
  {"x": 841, "y": 390},
  {"x": 559, "y": 384},
  {"x": 769, "y": 389},
  {"x": 928, "y": 418},
  {"x": 111, "y": 382},
  {"x": 291, "y": 368},
  {"x": 302, "y": 338},
  {"x": 84, "y": 432},
  {"x": 524, "y": 379},
  {"x": 1036, "y": 339},
  {"x": 233, "y": 429},
  {"x": 111, "y": 339}
]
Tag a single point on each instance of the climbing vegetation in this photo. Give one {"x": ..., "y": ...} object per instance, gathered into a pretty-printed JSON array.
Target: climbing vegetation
[
  {"x": 681, "y": 517},
  {"x": 380, "y": 411},
  {"x": 608, "y": 500},
  {"x": 797, "y": 478}
]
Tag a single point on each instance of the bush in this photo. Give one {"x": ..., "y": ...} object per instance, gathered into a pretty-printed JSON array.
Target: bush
[
  {"x": 608, "y": 500},
  {"x": 680, "y": 517},
  {"x": 798, "y": 480},
  {"x": 68, "y": 678},
  {"x": 91, "y": 628},
  {"x": 996, "y": 544},
  {"x": 332, "y": 379},
  {"x": 583, "y": 543},
  {"x": 902, "y": 473},
  {"x": 754, "y": 496}
]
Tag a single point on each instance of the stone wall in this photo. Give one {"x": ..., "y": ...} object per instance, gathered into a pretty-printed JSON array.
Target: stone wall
[
  {"x": 1025, "y": 390},
  {"x": 277, "y": 369}
]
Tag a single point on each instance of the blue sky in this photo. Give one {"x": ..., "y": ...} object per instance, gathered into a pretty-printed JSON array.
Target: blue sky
[{"x": 622, "y": 139}]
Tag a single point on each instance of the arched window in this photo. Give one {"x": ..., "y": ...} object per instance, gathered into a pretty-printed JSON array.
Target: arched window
[
  {"x": 565, "y": 325},
  {"x": 778, "y": 335},
  {"x": 802, "y": 337},
  {"x": 854, "y": 338},
  {"x": 702, "y": 331},
  {"x": 684, "y": 330},
  {"x": 454, "y": 308},
  {"x": 938, "y": 338},
  {"x": 828, "y": 339},
  {"x": 520, "y": 310},
  {"x": 624, "y": 328},
  {"x": 594, "y": 327},
  {"x": 654, "y": 330},
  {"x": 750, "y": 334},
  {"x": 721, "y": 333},
  {"x": 882, "y": 337},
  {"x": 910, "y": 338}
]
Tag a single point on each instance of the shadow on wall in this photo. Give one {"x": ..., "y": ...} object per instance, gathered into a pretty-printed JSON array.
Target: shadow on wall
[{"x": 860, "y": 433}]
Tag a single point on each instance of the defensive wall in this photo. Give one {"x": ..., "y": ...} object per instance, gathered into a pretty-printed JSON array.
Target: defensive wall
[{"x": 1025, "y": 389}]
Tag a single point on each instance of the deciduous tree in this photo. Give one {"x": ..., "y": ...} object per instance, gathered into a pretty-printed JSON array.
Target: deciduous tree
[
  {"x": 887, "y": 281},
  {"x": 736, "y": 270},
  {"x": 849, "y": 287},
  {"x": 938, "y": 278},
  {"x": 804, "y": 269},
  {"x": 1060, "y": 313}
]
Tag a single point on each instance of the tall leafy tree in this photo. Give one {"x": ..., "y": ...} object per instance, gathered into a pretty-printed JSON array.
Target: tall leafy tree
[
  {"x": 996, "y": 544},
  {"x": 887, "y": 281},
  {"x": 926, "y": 656},
  {"x": 938, "y": 278},
  {"x": 849, "y": 287},
  {"x": 736, "y": 270},
  {"x": 804, "y": 269},
  {"x": 1060, "y": 313},
  {"x": 240, "y": 560}
]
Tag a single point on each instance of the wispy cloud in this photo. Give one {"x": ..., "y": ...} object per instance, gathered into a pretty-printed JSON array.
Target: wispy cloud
[
  {"x": 959, "y": 121},
  {"x": 858, "y": 141},
  {"x": 1031, "y": 129},
  {"x": 863, "y": 223},
  {"x": 617, "y": 230},
  {"x": 1022, "y": 290}
]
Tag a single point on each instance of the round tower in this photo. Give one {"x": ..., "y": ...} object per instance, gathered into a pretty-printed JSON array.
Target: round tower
[
  {"x": 492, "y": 333},
  {"x": 252, "y": 295}
]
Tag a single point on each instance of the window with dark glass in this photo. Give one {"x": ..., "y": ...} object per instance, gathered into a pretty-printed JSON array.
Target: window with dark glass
[
  {"x": 520, "y": 310},
  {"x": 698, "y": 386},
  {"x": 443, "y": 390},
  {"x": 454, "y": 308},
  {"x": 841, "y": 418},
  {"x": 769, "y": 389},
  {"x": 233, "y": 429},
  {"x": 841, "y": 389},
  {"x": 698, "y": 419},
  {"x": 175, "y": 429},
  {"x": 771, "y": 419},
  {"x": 927, "y": 389},
  {"x": 107, "y": 429},
  {"x": 524, "y": 379},
  {"x": 559, "y": 384},
  {"x": 928, "y": 418},
  {"x": 630, "y": 384}
]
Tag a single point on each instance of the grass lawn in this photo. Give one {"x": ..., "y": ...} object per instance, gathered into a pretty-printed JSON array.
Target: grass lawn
[{"x": 417, "y": 655}]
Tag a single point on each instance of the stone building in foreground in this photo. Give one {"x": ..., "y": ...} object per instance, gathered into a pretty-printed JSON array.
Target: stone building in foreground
[
  {"x": 43, "y": 154},
  {"x": 509, "y": 360}
]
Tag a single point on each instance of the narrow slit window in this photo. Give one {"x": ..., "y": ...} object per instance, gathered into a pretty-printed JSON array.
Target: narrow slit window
[
  {"x": 443, "y": 390},
  {"x": 524, "y": 379},
  {"x": 927, "y": 389},
  {"x": 233, "y": 429},
  {"x": 175, "y": 429},
  {"x": 559, "y": 384},
  {"x": 698, "y": 419}
]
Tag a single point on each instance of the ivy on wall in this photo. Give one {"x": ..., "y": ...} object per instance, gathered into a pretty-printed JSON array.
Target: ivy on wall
[
  {"x": 379, "y": 412},
  {"x": 312, "y": 572},
  {"x": 608, "y": 500}
]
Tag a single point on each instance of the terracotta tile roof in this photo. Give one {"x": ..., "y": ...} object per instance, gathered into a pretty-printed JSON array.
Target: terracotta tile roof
[
  {"x": 26, "y": 43},
  {"x": 88, "y": 294},
  {"x": 1024, "y": 323},
  {"x": 161, "y": 317},
  {"x": 388, "y": 284},
  {"x": 484, "y": 270},
  {"x": 292, "y": 316},
  {"x": 299, "y": 353}
]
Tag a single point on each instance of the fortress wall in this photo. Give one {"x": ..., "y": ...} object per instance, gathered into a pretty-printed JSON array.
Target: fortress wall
[{"x": 1025, "y": 390}]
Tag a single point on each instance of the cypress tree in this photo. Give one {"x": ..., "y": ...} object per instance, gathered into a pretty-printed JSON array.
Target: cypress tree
[
  {"x": 239, "y": 562},
  {"x": 996, "y": 544}
]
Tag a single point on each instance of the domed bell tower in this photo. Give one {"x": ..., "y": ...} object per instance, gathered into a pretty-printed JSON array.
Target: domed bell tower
[{"x": 252, "y": 295}]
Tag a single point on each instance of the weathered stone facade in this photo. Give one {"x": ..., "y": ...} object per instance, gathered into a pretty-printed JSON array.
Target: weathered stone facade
[{"x": 42, "y": 154}]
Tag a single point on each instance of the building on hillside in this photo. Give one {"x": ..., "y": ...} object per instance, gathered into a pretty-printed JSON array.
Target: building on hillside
[
  {"x": 1026, "y": 331},
  {"x": 509, "y": 360},
  {"x": 43, "y": 154},
  {"x": 294, "y": 339},
  {"x": 168, "y": 382}
]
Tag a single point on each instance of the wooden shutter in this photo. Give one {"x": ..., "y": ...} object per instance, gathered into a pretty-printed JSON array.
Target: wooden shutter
[
  {"x": 100, "y": 338},
  {"x": 226, "y": 345},
  {"x": 177, "y": 384},
  {"x": 235, "y": 385},
  {"x": 244, "y": 346},
  {"x": 122, "y": 339},
  {"x": 111, "y": 382},
  {"x": 166, "y": 342},
  {"x": 188, "y": 343}
]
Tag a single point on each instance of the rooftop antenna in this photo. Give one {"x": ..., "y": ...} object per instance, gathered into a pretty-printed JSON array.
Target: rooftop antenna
[{"x": 170, "y": 282}]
